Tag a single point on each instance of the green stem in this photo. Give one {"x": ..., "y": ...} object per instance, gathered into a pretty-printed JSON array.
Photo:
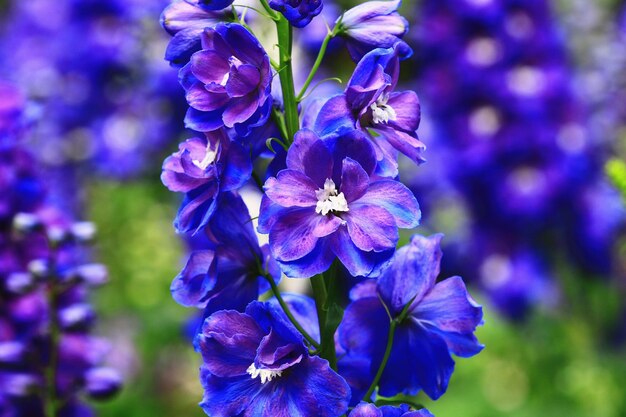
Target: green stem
[
  {"x": 285, "y": 43},
  {"x": 383, "y": 364},
  {"x": 287, "y": 311},
  {"x": 320, "y": 294},
  {"x": 316, "y": 65},
  {"x": 51, "y": 370},
  {"x": 279, "y": 119}
]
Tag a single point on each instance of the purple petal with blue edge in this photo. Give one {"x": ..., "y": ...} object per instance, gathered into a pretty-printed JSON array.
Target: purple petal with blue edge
[
  {"x": 365, "y": 11},
  {"x": 295, "y": 233},
  {"x": 397, "y": 199},
  {"x": 237, "y": 168},
  {"x": 364, "y": 289},
  {"x": 386, "y": 158},
  {"x": 276, "y": 355},
  {"x": 408, "y": 109},
  {"x": 412, "y": 273},
  {"x": 202, "y": 121},
  {"x": 419, "y": 360},
  {"x": 449, "y": 308},
  {"x": 310, "y": 388},
  {"x": 200, "y": 99},
  {"x": 316, "y": 262},
  {"x": 354, "y": 180},
  {"x": 248, "y": 49},
  {"x": 406, "y": 143},
  {"x": 208, "y": 66},
  {"x": 310, "y": 155},
  {"x": 381, "y": 31},
  {"x": 269, "y": 213},
  {"x": 196, "y": 209},
  {"x": 228, "y": 343},
  {"x": 197, "y": 278},
  {"x": 242, "y": 80},
  {"x": 356, "y": 261},
  {"x": 227, "y": 397},
  {"x": 351, "y": 144},
  {"x": 182, "y": 46},
  {"x": 240, "y": 109},
  {"x": 291, "y": 189},
  {"x": 334, "y": 116},
  {"x": 371, "y": 227}
]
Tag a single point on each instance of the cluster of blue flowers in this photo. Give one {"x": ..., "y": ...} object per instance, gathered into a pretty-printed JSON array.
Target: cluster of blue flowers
[
  {"x": 110, "y": 102},
  {"x": 48, "y": 358},
  {"x": 331, "y": 207},
  {"x": 513, "y": 135}
]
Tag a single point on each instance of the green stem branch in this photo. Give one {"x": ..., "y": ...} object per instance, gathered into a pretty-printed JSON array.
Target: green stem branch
[
  {"x": 316, "y": 65},
  {"x": 383, "y": 364},
  {"x": 285, "y": 43},
  {"x": 287, "y": 311}
]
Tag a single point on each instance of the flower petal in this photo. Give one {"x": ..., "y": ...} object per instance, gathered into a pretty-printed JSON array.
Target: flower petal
[
  {"x": 371, "y": 227},
  {"x": 397, "y": 199},
  {"x": 197, "y": 278},
  {"x": 357, "y": 261},
  {"x": 291, "y": 189},
  {"x": 354, "y": 180}
]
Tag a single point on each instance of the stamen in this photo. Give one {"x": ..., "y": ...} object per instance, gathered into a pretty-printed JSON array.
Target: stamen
[
  {"x": 208, "y": 159},
  {"x": 381, "y": 111},
  {"x": 265, "y": 374},
  {"x": 328, "y": 199}
]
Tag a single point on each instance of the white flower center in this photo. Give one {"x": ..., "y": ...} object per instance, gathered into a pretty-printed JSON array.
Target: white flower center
[
  {"x": 381, "y": 111},
  {"x": 328, "y": 199},
  {"x": 265, "y": 375},
  {"x": 209, "y": 158}
]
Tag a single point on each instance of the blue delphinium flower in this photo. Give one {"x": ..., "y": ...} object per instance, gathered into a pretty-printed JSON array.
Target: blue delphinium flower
[
  {"x": 370, "y": 410},
  {"x": 228, "y": 82},
  {"x": 370, "y": 104},
  {"x": 372, "y": 25},
  {"x": 186, "y": 22},
  {"x": 298, "y": 12},
  {"x": 326, "y": 204},
  {"x": 202, "y": 169},
  {"x": 256, "y": 364},
  {"x": 440, "y": 319},
  {"x": 228, "y": 272}
]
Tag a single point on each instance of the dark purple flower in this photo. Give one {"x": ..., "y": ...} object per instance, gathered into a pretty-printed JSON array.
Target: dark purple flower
[
  {"x": 370, "y": 410},
  {"x": 229, "y": 274},
  {"x": 102, "y": 383},
  {"x": 256, "y": 364},
  {"x": 369, "y": 103},
  {"x": 372, "y": 25},
  {"x": 441, "y": 320},
  {"x": 186, "y": 21},
  {"x": 202, "y": 169},
  {"x": 298, "y": 12},
  {"x": 326, "y": 204},
  {"x": 11, "y": 107},
  {"x": 228, "y": 82}
]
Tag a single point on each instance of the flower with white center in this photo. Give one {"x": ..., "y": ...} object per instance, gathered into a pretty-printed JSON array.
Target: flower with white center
[
  {"x": 381, "y": 111},
  {"x": 209, "y": 158},
  {"x": 328, "y": 199},
  {"x": 266, "y": 375}
]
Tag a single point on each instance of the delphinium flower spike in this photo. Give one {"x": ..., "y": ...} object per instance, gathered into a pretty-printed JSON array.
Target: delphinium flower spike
[{"x": 331, "y": 205}]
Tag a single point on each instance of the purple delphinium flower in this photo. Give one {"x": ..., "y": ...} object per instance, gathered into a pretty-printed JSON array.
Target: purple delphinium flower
[
  {"x": 229, "y": 274},
  {"x": 326, "y": 204},
  {"x": 298, "y": 12},
  {"x": 441, "y": 320},
  {"x": 372, "y": 25},
  {"x": 202, "y": 169},
  {"x": 256, "y": 364},
  {"x": 186, "y": 22},
  {"x": 228, "y": 82},
  {"x": 370, "y": 410},
  {"x": 369, "y": 103},
  {"x": 11, "y": 106}
]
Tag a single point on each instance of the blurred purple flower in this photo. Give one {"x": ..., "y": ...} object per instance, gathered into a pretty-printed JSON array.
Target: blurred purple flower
[
  {"x": 370, "y": 410},
  {"x": 298, "y": 12}
]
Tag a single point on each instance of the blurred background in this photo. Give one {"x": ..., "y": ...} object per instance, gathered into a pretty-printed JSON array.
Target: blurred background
[{"x": 524, "y": 117}]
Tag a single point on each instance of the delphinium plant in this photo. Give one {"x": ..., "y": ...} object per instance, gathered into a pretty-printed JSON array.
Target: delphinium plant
[
  {"x": 49, "y": 360},
  {"x": 379, "y": 328}
]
